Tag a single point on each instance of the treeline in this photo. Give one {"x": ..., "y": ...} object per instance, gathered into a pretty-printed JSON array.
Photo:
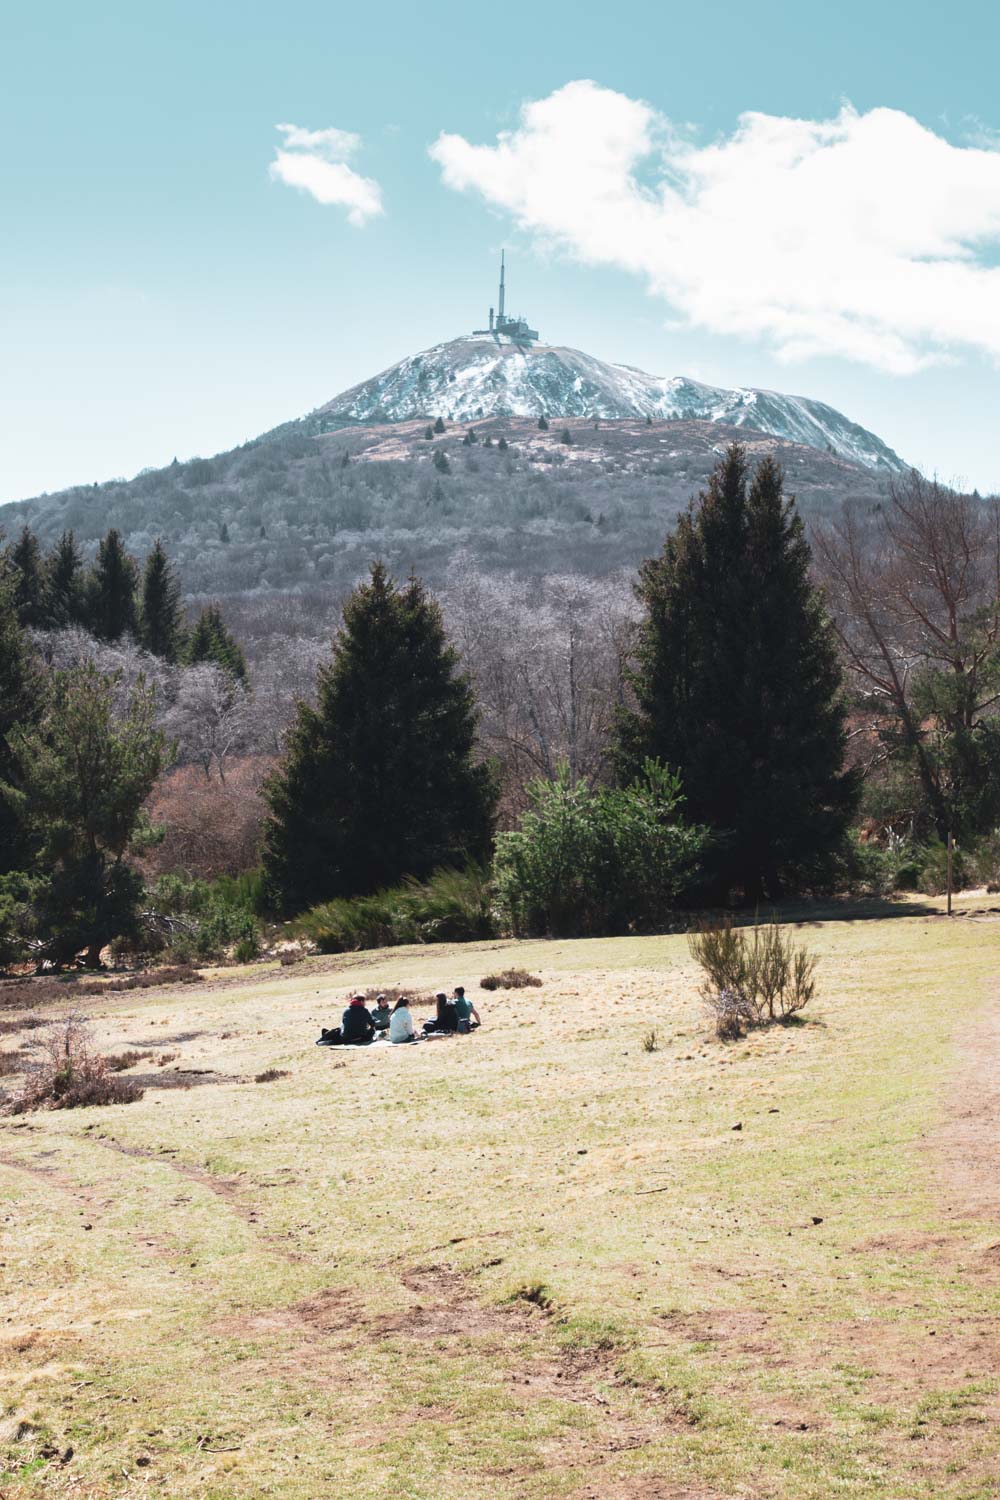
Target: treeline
[
  {"x": 115, "y": 597},
  {"x": 762, "y": 719}
]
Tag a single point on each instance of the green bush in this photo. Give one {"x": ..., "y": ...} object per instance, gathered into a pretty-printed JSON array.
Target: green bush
[
  {"x": 17, "y": 895},
  {"x": 934, "y": 874},
  {"x": 451, "y": 906},
  {"x": 586, "y": 862},
  {"x": 984, "y": 861},
  {"x": 878, "y": 869},
  {"x": 209, "y": 918}
]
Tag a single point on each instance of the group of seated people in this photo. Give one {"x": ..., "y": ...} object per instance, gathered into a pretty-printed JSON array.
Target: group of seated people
[{"x": 359, "y": 1025}]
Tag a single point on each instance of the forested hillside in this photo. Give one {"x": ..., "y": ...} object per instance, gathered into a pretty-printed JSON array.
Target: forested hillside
[{"x": 294, "y": 512}]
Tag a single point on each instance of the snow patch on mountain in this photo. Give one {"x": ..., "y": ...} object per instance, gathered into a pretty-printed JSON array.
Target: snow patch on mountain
[{"x": 472, "y": 378}]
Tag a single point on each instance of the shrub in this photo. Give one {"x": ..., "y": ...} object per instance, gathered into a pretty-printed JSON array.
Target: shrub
[
  {"x": 587, "y": 862},
  {"x": 650, "y": 1042},
  {"x": 451, "y": 906},
  {"x": 877, "y": 868},
  {"x": 270, "y": 1074},
  {"x": 72, "y": 1075},
  {"x": 510, "y": 979},
  {"x": 934, "y": 875},
  {"x": 17, "y": 894},
  {"x": 392, "y": 993},
  {"x": 10, "y": 1062},
  {"x": 984, "y": 862},
  {"x": 206, "y": 919},
  {"x": 120, "y": 1062},
  {"x": 754, "y": 976},
  {"x": 172, "y": 974}
]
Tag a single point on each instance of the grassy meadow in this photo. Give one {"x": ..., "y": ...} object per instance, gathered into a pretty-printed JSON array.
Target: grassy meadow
[{"x": 589, "y": 1251}]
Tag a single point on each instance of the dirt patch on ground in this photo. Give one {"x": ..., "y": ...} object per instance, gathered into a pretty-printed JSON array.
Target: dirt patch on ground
[
  {"x": 604, "y": 1416},
  {"x": 966, "y": 1149}
]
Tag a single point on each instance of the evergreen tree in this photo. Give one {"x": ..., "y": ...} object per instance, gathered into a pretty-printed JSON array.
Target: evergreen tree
[
  {"x": 81, "y": 778},
  {"x": 212, "y": 641},
  {"x": 28, "y": 574},
  {"x": 378, "y": 781},
  {"x": 64, "y": 573},
  {"x": 543, "y": 425},
  {"x": 111, "y": 591},
  {"x": 161, "y": 623},
  {"x": 737, "y": 684},
  {"x": 502, "y": 445},
  {"x": 441, "y": 461},
  {"x": 439, "y": 425},
  {"x": 20, "y": 706}
]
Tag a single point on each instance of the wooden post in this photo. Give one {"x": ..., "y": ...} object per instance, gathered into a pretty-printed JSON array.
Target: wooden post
[{"x": 950, "y": 846}]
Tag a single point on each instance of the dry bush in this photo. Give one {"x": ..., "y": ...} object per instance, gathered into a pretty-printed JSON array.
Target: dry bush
[
  {"x": 213, "y": 826},
  {"x": 510, "y": 979},
  {"x": 23, "y": 1023},
  {"x": 10, "y": 1063},
  {"x": 17, "y": 994},
  {"x": 119, "y": 1062},
  {"x": 172, "y": 974},
  {"x": 650, "y": 1041},
  {"x": 270, "y": 1074},
  {"x": 392, "y": 993},
  {"x": 754, "y": 976},
  {"x": 72, "y": 1075}
]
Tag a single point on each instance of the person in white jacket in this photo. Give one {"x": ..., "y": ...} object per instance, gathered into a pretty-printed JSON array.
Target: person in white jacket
[{"x": 401, "y": 1022}]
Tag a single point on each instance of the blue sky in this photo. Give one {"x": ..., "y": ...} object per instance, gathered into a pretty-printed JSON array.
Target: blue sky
[{"x": 163, "y": 292}]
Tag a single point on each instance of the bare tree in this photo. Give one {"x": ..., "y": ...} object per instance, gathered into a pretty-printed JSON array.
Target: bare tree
[
  {"x": 914, "y": 591},
  {"x": 546, "y": 659},
  {"x": 210, "y": 718}
]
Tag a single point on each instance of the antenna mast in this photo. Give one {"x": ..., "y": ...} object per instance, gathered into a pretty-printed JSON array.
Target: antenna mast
[{"x": 500, "y": 308}]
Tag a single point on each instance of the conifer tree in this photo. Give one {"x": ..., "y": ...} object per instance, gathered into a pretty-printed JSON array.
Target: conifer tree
[
  {"x": 378, "y": 781},
  {"x": 161, "y": 624},
  {"x": 20, "y": 706},
  {"x": 212, "y": 641},
  {"x": 439, "y": 425},
  {"x": 737, "y": 684},
  {"x": 28, "y": 575},
  {"x": 543, "y": 423},
  {"x": 64, "y": 574},
  {"x": 111, "y": 606},
  {"x": 82, "y": 775}
]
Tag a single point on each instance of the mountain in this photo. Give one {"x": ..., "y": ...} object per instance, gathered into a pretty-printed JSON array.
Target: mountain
[
  {"x": 480, "y": 376},
  {"x": 302, "y": 509}
]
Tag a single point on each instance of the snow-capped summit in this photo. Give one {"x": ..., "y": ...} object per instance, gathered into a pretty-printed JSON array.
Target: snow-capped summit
[{"x": 481, "y": 375}]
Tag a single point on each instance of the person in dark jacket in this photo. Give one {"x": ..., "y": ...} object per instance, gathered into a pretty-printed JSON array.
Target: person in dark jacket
[
  {"x": 381, "y": 1013},
  {"x": 356, "y": 1026},
  {"x": 445, "y": 1019}
]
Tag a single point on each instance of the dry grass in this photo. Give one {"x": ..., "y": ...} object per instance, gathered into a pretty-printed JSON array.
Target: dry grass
[{"x": 538, "y": 1263}]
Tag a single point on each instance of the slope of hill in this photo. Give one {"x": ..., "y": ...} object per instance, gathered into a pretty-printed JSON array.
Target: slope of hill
[
  {"x": 302, "y": 512},
  {"x": 471, "y": 378}
]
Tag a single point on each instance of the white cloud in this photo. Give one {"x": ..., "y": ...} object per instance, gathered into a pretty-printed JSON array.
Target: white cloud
[
  {"x": 866, "y": 236},
  {"x": 315, "y": 161}
]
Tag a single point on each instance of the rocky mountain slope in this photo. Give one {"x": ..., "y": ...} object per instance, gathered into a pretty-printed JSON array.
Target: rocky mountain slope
[{"x": 472, "y": 378}]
